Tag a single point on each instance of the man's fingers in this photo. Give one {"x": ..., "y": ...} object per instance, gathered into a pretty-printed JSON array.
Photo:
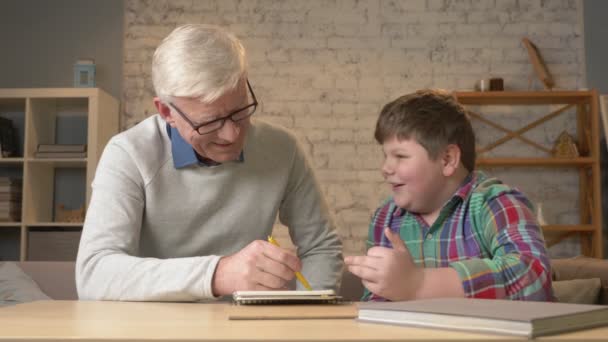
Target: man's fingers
[
  {"x": 259, "y": 287},
  {"x": 268, "y": 265},
  {"x": 270, "y": 281},
  {"x": 395, "y": 240},
  {"x": 280, "y": 255}
]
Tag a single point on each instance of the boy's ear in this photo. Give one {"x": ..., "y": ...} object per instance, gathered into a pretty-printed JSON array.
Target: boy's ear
[
  {"x": 164, "y": 111},
  {"x": 451, "y": 159}
]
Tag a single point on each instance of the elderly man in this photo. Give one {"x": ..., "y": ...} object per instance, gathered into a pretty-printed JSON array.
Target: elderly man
[{"x": 183, "y": 202}]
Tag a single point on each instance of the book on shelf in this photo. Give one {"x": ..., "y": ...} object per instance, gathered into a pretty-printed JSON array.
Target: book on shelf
[
  {"x": 10, "y": 190},
  {"x": 62, "y": 148},
  {"x": 12, "y": 196},
  {"x": 9, "y": 204},
  {"x": 10, "y": 214},
  {"x": 60, "y": 154},
  {"x": 10, "y": 187},
  {"x": 9, "y": 181},
  {"x": 521, "y": 318}
]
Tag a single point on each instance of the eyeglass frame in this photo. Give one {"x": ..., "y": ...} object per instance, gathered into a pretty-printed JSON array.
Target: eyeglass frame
[{"x": 223, "y": 118}]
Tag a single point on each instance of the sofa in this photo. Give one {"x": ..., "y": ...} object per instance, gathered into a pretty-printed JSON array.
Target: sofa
[
  {"x": 581, "y": 280},
  {"x": 575, "y": 280},
  {"x": 55, "y": 278}
]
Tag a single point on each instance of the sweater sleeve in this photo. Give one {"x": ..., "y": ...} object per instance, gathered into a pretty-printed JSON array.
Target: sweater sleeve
[
  {"x": 518, "y": 266},
  {"x": 311, "y": 227},
  {"x": 108, "y": 266}
]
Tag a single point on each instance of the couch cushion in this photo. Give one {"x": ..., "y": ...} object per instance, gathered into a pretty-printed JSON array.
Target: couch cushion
[
  {"x": 55, "y": 278},
  {"x": 583, "y": 268},
  {"x": 578, "y": 291},
  {"x": 16, "y": 286}
]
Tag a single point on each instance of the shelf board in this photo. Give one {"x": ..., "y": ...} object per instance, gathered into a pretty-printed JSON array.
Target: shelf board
[
  {"x": 54, "y": 224},
  {"x": 568, "y": 228},
  {"x": 554, "y": 162},
  {"x": 522, "y": 97},
  {"x": 11, "y": 160},
  {"x": 10, "y": 224},
  {"x": 63, "y": 162},
  {"x": 49, "y": 92}
]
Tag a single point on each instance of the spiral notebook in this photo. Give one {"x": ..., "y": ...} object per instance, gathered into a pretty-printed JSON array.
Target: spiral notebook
[{"x": 285, "y": 297}]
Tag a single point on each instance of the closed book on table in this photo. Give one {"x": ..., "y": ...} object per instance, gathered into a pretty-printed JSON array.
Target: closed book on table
[{"x": 528, "y": 319}]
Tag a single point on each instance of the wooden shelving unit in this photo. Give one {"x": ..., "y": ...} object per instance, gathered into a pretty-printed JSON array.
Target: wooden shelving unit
[
  {"x": 585, "y": 103},
  {"x": 37, "y": 114}
]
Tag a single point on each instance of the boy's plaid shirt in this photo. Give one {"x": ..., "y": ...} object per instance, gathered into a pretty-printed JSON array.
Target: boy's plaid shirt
[{"x": 486, "y": 232}]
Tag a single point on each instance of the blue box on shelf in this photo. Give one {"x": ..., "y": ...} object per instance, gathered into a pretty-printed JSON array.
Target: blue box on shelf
[{"x": 84, "y": 73}]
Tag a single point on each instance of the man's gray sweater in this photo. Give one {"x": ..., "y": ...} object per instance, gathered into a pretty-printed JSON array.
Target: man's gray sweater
[{"x": 154, "y": 232}]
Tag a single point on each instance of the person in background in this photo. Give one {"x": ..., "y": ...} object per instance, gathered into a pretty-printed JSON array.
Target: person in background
[
  {"x": 447, "y": 230},
  {"x": 183, "y": 202}
]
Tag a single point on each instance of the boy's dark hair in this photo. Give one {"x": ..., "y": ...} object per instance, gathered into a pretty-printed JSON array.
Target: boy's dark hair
[{"x": 434, "y": 118}]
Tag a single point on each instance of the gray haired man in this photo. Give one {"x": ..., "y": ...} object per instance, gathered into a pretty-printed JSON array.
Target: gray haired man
[{"x": 182, "y": 202}]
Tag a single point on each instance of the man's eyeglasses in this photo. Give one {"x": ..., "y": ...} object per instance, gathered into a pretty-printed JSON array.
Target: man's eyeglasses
[{"x": 216, "y": 124}]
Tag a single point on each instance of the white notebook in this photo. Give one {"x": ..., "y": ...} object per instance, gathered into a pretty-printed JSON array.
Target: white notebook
[{"x": 286, "y": 297}]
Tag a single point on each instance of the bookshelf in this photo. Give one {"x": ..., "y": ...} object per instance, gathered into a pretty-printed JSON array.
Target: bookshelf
[
  {"x": 52, "y": 116},
  {"x": 584, "y": 104}
]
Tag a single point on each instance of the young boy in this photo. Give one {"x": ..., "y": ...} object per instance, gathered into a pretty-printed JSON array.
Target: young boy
[{"x": 447, "y": 231}]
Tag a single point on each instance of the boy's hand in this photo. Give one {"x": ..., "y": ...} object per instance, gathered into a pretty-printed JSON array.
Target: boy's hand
[{"x": 390, "y": 273}]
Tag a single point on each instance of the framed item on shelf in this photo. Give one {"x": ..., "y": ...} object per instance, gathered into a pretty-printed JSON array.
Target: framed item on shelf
[
  {"x": 604, "y": 114},
  {"x": 539, "y": 64},
  {"x": 63, "y": 214}
]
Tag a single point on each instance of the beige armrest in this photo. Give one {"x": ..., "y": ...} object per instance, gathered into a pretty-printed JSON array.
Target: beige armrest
[{"x": 55, "y": 278}]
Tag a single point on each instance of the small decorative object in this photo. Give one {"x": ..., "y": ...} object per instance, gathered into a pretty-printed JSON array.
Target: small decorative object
[
  {"x": 482, "y": 85},
  {"x": 540, "y": 218},
  {"x": 84, "y": 73},
  {"x": 490, "y": 84},
  {"x": 542, "y": 72},
  {"x": 565, "y": 146},
  {"x": 62, "y": 214},
  {"x": 496, "y": 84}
]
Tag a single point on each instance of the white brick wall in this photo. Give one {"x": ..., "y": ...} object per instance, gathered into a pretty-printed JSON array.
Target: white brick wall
[{"x": 324, "y": 68}]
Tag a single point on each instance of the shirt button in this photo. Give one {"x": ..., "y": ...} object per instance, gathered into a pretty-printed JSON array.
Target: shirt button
[{"x": 429, "y": 236}]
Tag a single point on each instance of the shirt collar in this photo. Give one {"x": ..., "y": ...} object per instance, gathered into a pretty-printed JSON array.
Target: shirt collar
[
  {"x": 466, "y": 186},
  {"x": 183, "y": 153}
]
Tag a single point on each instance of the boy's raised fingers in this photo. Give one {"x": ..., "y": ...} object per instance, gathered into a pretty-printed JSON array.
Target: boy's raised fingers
[
  {"x": 395, "y": 240},
  {"x": 359, "y": 260},
  {"x": 365, "y": 273}
]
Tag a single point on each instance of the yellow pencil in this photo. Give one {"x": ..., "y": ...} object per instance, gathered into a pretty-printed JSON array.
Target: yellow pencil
[{"x": 298, "y": 274}]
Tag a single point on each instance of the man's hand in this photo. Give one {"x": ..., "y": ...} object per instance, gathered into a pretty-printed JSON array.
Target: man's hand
[
  {"x": 390, "y": 273},
  {"x": 258, "y": 266}
]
